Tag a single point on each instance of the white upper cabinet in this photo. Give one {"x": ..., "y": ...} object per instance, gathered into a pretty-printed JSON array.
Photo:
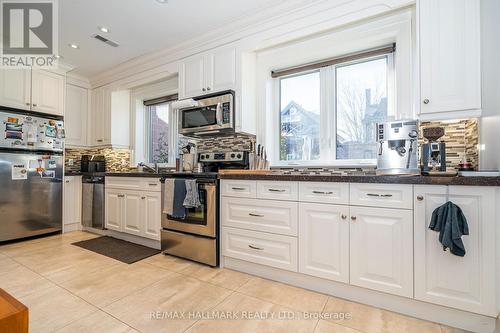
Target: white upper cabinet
[
  {"x": 32, "y": 90},
  {"x": 192, "y": 77},
  {"x": 466, "y": 283},
  {"x": 449, "y": 33},
  {"x": 100, "y": 116},
  {"x": 15, "y": 88},
  {"x": 47, "y": 92},
  {"x": 224, "y": 68},
  {"x": 208, "y": 72},
  {"x": 76, "y": 115},
  {"x": 381, "y": 249}
]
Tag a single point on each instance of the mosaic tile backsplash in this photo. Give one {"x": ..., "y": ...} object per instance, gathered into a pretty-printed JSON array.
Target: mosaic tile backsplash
[{"x": 116, "y": 159}]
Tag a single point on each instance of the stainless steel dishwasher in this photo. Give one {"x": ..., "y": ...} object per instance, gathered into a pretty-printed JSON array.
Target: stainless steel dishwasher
[{"x": 93, "y": 202}]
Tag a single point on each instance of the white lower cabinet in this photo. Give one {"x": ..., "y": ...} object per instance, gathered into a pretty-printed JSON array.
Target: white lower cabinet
[
  {"x": 381, "y": 249},
  {"x": 324, "y": 241},
  {"x": 468, "y": 282},
  {"x": 260, "y": 247},
  {"x": 134, "y": 212},
  {"x": 72, "y": 203}
]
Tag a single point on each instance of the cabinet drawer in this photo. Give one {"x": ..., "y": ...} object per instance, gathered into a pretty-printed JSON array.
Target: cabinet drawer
[
  {"x": 382, "y": 195},
  {"x": 151, "y": 184},
  {"x": 278, "y": 190},
  {"x": 334, "y": 193},
  {"x": 239, "y": 188},
  {"x": 260, "y": 247},
  {"x": 124, "y": 183},
  {"x": 278, "y": 217}
]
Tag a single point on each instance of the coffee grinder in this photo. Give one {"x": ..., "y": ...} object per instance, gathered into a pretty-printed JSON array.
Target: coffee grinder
[{"x": 433, "y": 152}]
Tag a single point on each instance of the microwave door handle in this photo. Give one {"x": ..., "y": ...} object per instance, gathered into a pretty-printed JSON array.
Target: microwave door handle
[{"x": 218, "y": 113}]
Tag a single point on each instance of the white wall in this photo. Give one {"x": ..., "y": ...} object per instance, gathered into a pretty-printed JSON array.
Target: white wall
[{"x": 490, "y": 52}]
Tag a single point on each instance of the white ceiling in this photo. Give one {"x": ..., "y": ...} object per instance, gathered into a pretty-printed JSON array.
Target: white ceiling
[{"x": 140, "y": 27}]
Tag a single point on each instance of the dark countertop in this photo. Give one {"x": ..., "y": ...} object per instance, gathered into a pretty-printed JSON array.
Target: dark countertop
[{"x": 417, "y": 180}]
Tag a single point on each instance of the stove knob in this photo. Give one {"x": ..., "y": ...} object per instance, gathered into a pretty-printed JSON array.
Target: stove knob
[
  {"x": 238, "y": 156},
  {"x": 202, "y": 157},
  {"x": 232, "y": 155},
  {"x": 206, "y": 156}
]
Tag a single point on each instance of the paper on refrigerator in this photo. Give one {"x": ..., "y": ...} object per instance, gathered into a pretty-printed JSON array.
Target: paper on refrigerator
[{"x": 19, "y": 171}]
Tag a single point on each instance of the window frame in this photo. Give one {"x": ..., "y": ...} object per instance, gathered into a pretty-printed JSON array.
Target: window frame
[
  {"x": 172, "y": 149},
  {"x": 328, "y": 114}
]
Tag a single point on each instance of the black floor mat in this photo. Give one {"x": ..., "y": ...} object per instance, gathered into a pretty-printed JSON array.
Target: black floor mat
[{"x": 118, "y": 249}]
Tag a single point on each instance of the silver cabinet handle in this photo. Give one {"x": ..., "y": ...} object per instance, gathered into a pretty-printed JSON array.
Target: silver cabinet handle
[
  {"x": 121, "y": 196},
  {"x": 420, "y": 198},
  {"x": 208, "y": 88},
  {"x": 99, "y": 140},
  {"x": 379, "y": 195},
  {"x": 255, "y": 215},
  {"x": 150, "y": 184},
  {"x": 34, "y": 105},
  {"x": 238, "y": 188},
  {"x": 275, "y": 190},
  {"x": 344, "y": 217},
  {"x": 255, "y": 247},
  {"x": 322, "y": 192},
  {"x": 28, "y": 104},
  {"x": 426, "y": 101},
  {"x": 203, "y": 89},
  {"x": 353, "y": 218},
  {"x": 67, "y": 181}
]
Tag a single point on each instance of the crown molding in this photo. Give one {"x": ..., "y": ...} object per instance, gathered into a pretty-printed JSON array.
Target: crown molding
[{"x": 282, "y": 23}]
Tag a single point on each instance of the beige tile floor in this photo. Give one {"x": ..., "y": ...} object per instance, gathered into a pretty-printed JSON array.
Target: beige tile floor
[{"x": 69, "y": 289}]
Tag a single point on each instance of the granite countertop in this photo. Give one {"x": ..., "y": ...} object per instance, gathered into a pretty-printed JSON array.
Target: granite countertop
[
  {"x": 423, "y": 180},
  {"x": 416, "y": 180}
]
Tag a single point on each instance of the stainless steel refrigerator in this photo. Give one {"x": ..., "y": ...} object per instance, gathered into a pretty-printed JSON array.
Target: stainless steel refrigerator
[{"x": 31, "y": 174}]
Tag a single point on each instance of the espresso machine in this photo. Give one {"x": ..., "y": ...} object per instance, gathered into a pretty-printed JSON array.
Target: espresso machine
[
  {"x": 433, "y": 152},
  {"x": 397, "y": 148}
]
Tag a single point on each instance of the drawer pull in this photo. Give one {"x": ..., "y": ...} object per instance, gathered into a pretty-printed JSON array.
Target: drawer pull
[
  {"x": 379, "y": 195},
  {"x": 275, "y": 190},
  {"x": 152, "y": 184},
  {"x": 322, "y": 192},
  {"x": 256, "y": 215},
  {"x": 255, "y": 247},
  {"x": 121, "y": 196},
  {"x": 238, "y": 188}
]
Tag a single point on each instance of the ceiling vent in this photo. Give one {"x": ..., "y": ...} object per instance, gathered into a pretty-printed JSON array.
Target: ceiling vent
[{"x": 105, "y": 40}]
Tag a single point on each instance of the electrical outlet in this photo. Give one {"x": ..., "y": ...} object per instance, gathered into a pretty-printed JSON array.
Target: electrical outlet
[{"x": 71, "y": 162}]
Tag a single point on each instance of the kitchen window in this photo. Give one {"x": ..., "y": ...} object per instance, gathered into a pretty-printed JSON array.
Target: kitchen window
[
  {"x": 328, "y": 111},
  {"x": 159, "y": 123}
]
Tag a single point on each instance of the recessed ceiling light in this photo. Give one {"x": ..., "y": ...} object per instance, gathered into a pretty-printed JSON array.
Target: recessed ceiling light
[
  {"x": 74, "y": 46},
  {"x": 103, "y": 29},
  {"x": 162, "y": 1}
]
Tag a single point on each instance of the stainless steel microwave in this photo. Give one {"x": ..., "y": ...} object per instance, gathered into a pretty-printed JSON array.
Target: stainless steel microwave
[{"x": 213, "y": 116}]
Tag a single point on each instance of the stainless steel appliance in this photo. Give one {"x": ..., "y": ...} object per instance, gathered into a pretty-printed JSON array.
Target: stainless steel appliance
[
  {"x": 433, "y": 152},
  {"x": 196, "y": 236},
  {"x": 31, "y": 173},
  {"x": 397, "y": 148},
  {"x": 93, "y": 163},
  {"x": 213, "y": 116},
  {"x": 93, "y": 202}
]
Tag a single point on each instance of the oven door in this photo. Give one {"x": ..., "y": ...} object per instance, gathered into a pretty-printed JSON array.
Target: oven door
[{"x": 199, "y": 221}]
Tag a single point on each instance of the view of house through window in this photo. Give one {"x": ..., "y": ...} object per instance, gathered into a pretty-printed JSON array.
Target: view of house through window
[
  {"x": 357, "y": 100},
  {"x": 159, "y": 132}
]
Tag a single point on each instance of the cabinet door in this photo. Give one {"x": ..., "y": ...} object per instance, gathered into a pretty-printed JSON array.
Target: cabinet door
[
  {"x": 69, "y": 204},
  {"x": 47, "y": 92},
  {"x": 132, "y": 219},
  {"x": 192, "y": 77},
  {"x": 113, "y": 212},
  {"x": 101, "y": 116},
  {"x": 381, "y": 249},
  {"x": 151, "y": 214},
  {"x": 450, "y": 58},
  {"x": 75, "y": 118},
  {"x": 220, "y": 69},
  {"x": 324, "y": 241},
  {"x": 15, "y": 88},
  {"x": 468, "y": 282}
]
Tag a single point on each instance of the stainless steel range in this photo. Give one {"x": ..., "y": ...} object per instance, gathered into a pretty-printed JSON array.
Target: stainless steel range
[{"x": 196, "y": 236}]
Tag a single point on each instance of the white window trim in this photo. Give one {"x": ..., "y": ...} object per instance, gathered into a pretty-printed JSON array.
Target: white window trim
[{"x": 393, "y": 28}]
